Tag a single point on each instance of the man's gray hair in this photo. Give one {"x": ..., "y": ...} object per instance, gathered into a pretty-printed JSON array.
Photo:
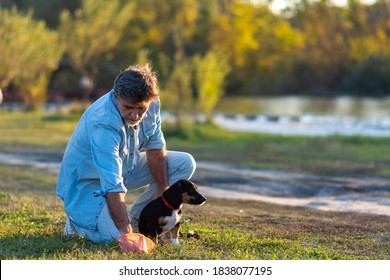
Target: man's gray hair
[{"x": 137, "y": 83}]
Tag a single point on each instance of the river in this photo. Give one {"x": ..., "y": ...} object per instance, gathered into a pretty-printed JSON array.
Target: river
[{"x": 297, "y": 115}]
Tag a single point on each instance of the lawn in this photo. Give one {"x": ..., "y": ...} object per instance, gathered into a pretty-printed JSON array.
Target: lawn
[
  {"x": 32, "y": 217},
  {"x": 335, "y": 155},
  {"x": 32, "y": 221}
]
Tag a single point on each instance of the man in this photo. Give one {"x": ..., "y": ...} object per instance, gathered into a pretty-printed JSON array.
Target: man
[{"x": 117, "y": 146}]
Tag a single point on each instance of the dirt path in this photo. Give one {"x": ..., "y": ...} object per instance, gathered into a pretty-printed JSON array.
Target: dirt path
[
  {"x": 367, "y": 195},
  {"x": 364, "y": 195}
]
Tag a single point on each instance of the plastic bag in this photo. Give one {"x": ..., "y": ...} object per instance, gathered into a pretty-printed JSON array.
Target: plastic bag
[{"x": 136, "y": 243}]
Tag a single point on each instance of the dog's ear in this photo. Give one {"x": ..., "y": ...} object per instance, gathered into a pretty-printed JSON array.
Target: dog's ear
[
  {"x": 177, "y": 186},
  {"x": 173, "y": 193},
  {"x": 188, "y": 186},
  {"x": 182, "y": 182}
]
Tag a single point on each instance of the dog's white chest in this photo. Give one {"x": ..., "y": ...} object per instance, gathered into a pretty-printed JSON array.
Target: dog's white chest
[{"x": 171, "y": 221}]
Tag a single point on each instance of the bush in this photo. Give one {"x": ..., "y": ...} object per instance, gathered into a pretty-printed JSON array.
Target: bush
[{"x": 370, "y": 75}]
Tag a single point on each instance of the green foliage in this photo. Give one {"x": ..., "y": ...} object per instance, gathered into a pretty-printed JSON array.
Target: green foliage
[
  {"x": 210, "y": 73},
  {"x": 177, "y": 93},
  {"x": 326, "y": 46},
  {"x": 204, "y": 75},
  {"x": 48, "y": 11},
  {"x": 91, "y": 34},
  {"x": 370, "y": 75},
  {"x": 260, "y": 46},
  {"x": 313, "y": 47},
  {"x": 29, "y": 54}
]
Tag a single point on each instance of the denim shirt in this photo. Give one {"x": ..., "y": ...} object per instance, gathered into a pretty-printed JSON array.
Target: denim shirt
[{"x": 99, "y": 155}]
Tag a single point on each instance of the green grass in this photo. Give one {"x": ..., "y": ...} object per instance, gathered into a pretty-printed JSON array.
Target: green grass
[
  {"x": 35, "y": 129},
  {"x": 335, "y": 155},
  {"x": 32, "y": 217},
  {"x": 32, "y": 221}
]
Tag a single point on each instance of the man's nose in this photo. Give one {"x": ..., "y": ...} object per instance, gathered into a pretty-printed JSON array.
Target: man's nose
[{"x": 134, "y": 114}]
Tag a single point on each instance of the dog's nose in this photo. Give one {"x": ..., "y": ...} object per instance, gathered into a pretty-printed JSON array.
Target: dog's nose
[{"x": 199, "y": 200}]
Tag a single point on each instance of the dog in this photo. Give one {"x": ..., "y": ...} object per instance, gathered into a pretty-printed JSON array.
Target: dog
[{"x": 164, "y": 213}]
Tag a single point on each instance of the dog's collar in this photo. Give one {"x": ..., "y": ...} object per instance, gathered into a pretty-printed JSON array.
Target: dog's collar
[{"x": 167, "y": 204}]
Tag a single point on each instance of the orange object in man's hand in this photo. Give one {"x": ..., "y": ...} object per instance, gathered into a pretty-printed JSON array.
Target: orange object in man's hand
[{"x": 135, "y": 243}]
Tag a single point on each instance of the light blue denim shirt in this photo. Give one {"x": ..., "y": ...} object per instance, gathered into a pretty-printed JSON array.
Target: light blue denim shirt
[{"x": 99, "y": 155}]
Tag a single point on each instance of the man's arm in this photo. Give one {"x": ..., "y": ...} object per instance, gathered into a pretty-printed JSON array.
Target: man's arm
[
  {"x": 157, "y": 161},
  {"x": 105, "y": 142},
  {"x": 117, "y": 207}
]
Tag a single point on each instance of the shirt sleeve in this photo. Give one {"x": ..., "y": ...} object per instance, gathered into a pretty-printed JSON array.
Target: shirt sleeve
[
  {"x": 152, "y": 128},
  {"x": 105, "y": 144}
]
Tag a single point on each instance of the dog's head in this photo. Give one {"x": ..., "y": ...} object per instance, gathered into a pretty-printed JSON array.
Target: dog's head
[{"x": 184, "y": 191}]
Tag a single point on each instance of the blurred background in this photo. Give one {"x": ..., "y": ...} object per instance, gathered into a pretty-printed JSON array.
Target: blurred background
[
  {"x": 243, "y": 63},
  {"x": 284, "y": 99},
  {"x": 279, "y": 101}
]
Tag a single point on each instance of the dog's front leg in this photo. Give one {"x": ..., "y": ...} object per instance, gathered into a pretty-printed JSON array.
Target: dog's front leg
[
  {"x": 175, "y": 234},
  {"x": 165, "y": 237}
]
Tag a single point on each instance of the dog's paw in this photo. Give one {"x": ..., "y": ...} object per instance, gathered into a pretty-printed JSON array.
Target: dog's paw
[{"x": 175, "y": 241}]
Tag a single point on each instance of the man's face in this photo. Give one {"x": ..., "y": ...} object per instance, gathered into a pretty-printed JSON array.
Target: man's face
[{"x": 132, "y": 113}]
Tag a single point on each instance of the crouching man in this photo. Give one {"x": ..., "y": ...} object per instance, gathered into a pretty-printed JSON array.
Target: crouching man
[{"x": 117, "y": 146}]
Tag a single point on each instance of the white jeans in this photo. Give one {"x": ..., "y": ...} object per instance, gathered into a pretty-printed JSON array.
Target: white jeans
[{"x": 180, "y": 166}]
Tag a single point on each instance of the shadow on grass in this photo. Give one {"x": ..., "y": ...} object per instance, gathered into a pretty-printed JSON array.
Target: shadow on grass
[{"x": 50, "y": 247}]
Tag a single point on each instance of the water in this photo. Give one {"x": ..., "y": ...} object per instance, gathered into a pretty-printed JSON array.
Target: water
[
  {"x": 294, "y": 115},
  {"x": 362, "y": 107},
  {"x": 298, "y": 115}
]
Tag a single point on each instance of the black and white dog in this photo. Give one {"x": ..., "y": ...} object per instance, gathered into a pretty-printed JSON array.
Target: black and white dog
[{"x": 164, "y": 213}]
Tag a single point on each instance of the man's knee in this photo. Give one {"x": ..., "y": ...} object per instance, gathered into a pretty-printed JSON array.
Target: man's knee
[
  {"x": 189, "y": 162},
  {"x": 181, "y": 162}
]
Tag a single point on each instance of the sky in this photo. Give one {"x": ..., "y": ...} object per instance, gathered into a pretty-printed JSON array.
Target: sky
[{"x": 280, "y": 4}]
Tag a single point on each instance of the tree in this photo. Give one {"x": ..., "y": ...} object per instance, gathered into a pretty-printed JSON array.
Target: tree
[
  {"x": 29, "y": 53},
  {"x": 166, "y": 29},
  {"x": 91, "y": 34},
  {"x": 48, "y": 11},
  {"x": 177, "y": 93},
  {"x": 210, "y": 73},
  {"x": 259, "y": 45},
  {"x": 322, "y": 63}
]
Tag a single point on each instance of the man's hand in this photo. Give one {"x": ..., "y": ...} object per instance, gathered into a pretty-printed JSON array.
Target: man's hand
[{"x": 135, "y": 243}]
